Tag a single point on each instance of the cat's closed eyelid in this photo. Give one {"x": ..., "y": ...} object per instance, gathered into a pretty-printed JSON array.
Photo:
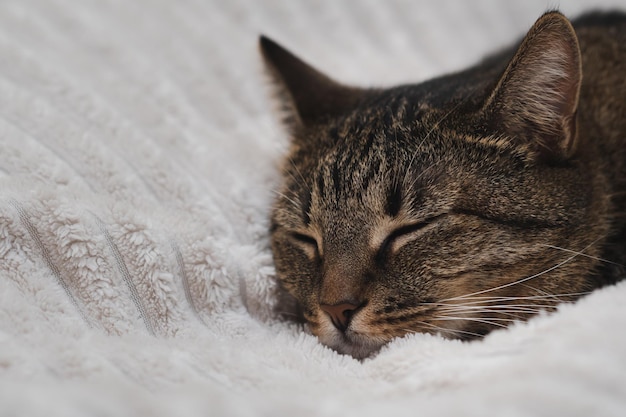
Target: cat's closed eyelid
[
  {"x": 401, "y": 235},
  {"x": 307, "y": 242}
]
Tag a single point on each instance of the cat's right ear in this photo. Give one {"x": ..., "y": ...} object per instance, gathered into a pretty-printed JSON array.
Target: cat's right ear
[
  {"x": 537, "y": 97},
  {"x": 309, "y": 97}
]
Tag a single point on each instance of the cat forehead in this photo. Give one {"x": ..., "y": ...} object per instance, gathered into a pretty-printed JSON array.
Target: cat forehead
[
  {"x": 387, "y": 151},
  {"x": 409, "y": 131},
  {"x": 384, "y": 141},
  {"x": 376, "y": 131},
  {"x": 391, "y": 111},
  {"x": 370, "y": 172}
]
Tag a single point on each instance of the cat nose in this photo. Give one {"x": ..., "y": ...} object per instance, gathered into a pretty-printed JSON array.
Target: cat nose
[{"x": 340, "y": 314}]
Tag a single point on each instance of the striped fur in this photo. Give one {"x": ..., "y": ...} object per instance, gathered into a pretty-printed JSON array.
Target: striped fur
[{"x": 461, "y": 204}]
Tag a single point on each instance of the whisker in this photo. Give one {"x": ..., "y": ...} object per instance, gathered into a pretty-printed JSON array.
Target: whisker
[
  {"x": 582, "y": 254},
  {"x": 538, "y": 290},
  {"x": 515, "y": 314},
  {"x": 494, "y": 299},
  {"x": 474, "y": 306},
  {"x": 304, "y": 182},
  {"x": 545, "y": 293},
  {"x": 489, "y": 299},
  {"x": 432, "y": 129},
  {"x": 484, "y": 321},
  {"x": 552, "y": 268},
  {"x": 295, "y": 204},
  {"x": 423, "y": 173},
  {"x": 444, "y": 330},
  {"x": 492, "y": 308}
]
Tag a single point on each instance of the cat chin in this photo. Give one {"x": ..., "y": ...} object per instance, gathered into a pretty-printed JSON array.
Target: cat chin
[{"x": 356, "y": 345}]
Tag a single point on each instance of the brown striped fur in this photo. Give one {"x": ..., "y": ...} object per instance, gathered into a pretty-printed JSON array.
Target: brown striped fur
[{"x": 461, "y": 204}]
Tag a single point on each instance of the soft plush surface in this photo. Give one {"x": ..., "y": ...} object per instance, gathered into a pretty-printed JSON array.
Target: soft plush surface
[{"x": 138, "y": 153}]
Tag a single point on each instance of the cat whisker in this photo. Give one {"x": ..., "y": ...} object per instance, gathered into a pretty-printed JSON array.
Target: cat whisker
[
  {"x": 432, "y": 129},
  {"x": 295, "y": 167},
  {"x": 582, "y": 254},
  {"x": 617, "y": 194},
  {"x": 555, "y": 298},
  {"x": 292, "y": 201},
  {"x": 540, "y": 291},
  {"x": 297, "y": 181},
  {"x": 513, "y": 315},
  {"x": 475, "y": 301},
  {"x": 516, "y": 314},
  {"x": 503, "y": 301},
  {"x": 489, "y": 321},
  {"x": 552, "y": 268},
  {"x": 493, "y": 315},
  {"x": 443, "y": 330},
  {"x": 475, "y": 306},
  {"x": 490, "y": 299},
  {"x": 422, "y": 174},
  {"x": 501, "y": 308},
  {"x": 494, "y": 308}
]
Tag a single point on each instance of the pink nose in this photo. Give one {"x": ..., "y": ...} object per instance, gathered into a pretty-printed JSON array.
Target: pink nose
[{"x": 340, "y": 314}]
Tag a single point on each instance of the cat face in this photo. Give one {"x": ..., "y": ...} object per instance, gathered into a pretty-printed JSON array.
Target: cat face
[
  {"x": 413, "y": 235},
  {"x": 436, "y": 208}
]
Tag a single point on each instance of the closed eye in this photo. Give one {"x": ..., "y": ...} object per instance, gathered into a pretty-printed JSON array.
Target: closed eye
[
  {"x": 385, "y": 247},
  {"x": 308, "y": 242}
]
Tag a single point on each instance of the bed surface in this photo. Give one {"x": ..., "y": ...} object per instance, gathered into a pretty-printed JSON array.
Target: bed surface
[{"x": 139, "y": 147}]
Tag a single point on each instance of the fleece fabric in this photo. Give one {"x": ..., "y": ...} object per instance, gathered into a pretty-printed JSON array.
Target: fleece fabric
[{"x": 139, "y": 154}]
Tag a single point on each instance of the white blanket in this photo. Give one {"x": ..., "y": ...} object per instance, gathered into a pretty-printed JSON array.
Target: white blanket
[{"x": 138, "y": 153}]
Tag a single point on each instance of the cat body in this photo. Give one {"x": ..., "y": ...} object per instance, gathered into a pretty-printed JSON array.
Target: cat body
[{"x": 461, "y": 204}]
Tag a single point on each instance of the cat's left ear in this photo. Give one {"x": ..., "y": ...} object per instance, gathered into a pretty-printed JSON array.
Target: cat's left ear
[
  {"x": 308, "y": 95},
  {"x": 536, "y": 99}
]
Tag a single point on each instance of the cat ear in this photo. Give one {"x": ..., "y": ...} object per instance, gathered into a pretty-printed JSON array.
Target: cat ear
[
  {"x": 536, "y": 98},
  {"x": 309, "y": 95}
]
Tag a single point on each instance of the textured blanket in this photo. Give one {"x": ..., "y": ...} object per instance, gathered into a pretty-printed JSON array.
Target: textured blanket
[{"x": 139, "y": 148}]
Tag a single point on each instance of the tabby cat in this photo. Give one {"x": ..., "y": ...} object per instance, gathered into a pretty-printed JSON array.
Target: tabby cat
[{"x": 461, "y": 204}]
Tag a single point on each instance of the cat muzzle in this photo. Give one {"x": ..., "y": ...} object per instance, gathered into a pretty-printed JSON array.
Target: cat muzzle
[{"x": 340, "y": 314}]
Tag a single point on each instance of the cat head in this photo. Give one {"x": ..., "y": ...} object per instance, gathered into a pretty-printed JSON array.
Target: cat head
[{"x": 436, "y": 207}]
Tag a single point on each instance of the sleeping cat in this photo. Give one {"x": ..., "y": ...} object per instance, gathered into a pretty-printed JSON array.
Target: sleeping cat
[{"x": 461, "y": 204}]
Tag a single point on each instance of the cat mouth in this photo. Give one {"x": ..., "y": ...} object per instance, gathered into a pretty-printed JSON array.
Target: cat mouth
[{"x": 351, "y": 342}]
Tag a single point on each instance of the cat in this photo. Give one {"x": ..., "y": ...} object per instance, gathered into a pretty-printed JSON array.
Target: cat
[{"x": 459, "y": 205}]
